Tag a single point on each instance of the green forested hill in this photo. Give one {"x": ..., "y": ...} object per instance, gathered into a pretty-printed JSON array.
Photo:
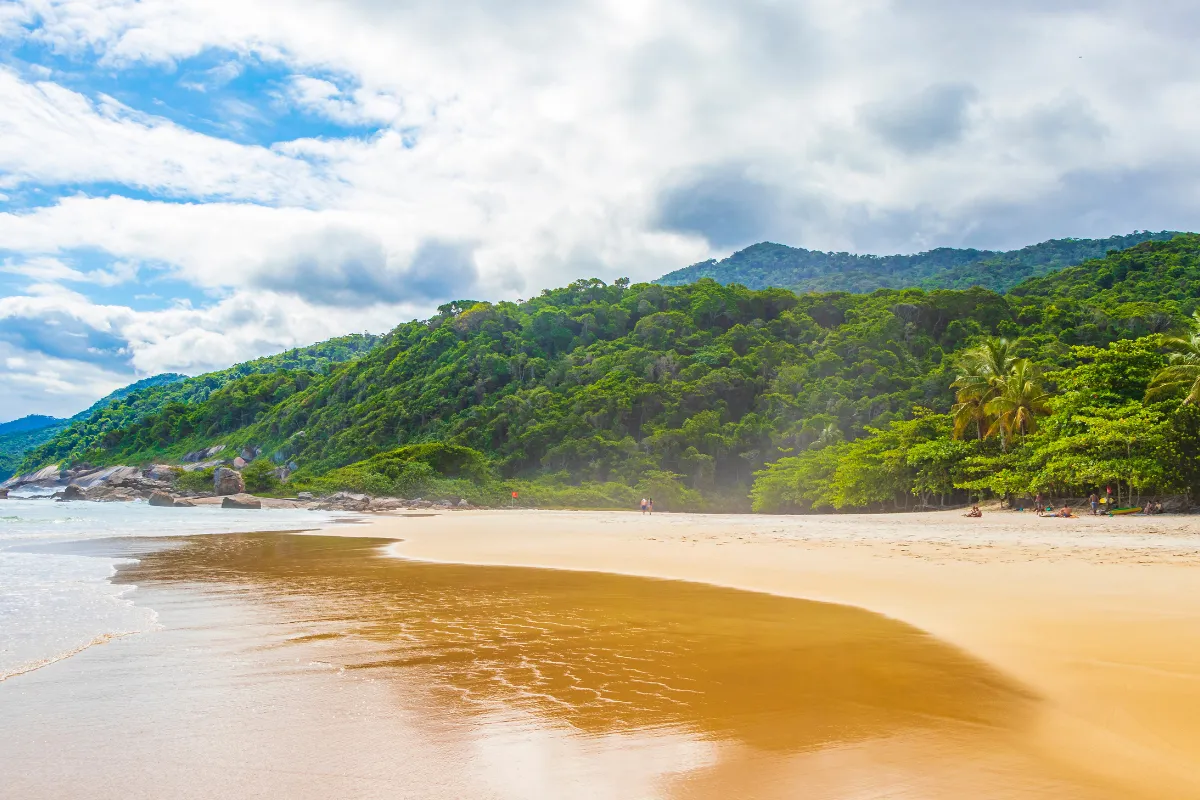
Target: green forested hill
[
  {"x": 146, "y": 397},
  {"x": 693, "y": 388},
  {"x": 20, "y": 436},
  {"x": 767, "y": 264}
]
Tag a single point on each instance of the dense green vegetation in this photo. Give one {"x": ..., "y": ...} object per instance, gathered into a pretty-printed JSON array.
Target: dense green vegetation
[
  {"x": 594, "y": 394},
  {"x": 168, "y": 393},
  {"x": 766, "y": 264},
  {"x": 13, "y": 446},
  {"x": 23, "y": 435}
]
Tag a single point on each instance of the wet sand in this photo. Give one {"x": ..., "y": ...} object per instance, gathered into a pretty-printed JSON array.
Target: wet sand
[{"x": 1097, "y": 619}]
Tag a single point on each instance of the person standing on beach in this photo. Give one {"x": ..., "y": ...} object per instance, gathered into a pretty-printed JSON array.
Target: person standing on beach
[
  {"x": 650, "y": 506},
  {"x": 643, "y": 505},
  {"x": 1095, "y": 503},
  {"x": 1037, "y": 502}
]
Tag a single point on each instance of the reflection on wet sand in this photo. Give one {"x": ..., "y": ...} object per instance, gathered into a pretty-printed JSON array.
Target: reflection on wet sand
[{"x": 793, "y": 693}]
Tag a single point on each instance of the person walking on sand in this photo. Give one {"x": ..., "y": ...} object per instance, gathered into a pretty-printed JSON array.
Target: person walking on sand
[
  {"x": 1094, "y": 501},
  {"x": 643, "y": 505},
  {"x": 1037, "y": 502},
  {"x": 650, "y": 506}
]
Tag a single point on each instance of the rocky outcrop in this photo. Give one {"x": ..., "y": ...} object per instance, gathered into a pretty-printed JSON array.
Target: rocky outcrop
[
  {"x": 239, "y": 463},
  {"x": 304, "y": 496},
  {"x": 387, "y": 504},
  {"x": 228, "y": 481},
  {"x": 3, "y": 494},
  {"x": 73, "y": 492},
  {"x": 201, "y": 455},
  {"x": 162, "y": 472},
  {"x": 183, "y": 502},
  {"x": 247, "y": 501},
  {"x": 47, "y": 478},
  {"x": 345, "y": 501},
  {"x": 199, "y": 465},
  {"x": 162, "y": 500}
]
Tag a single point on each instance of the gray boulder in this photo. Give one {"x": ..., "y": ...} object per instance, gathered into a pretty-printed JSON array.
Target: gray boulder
[
  {"x": 346, "y": 501},
  {"x": 239, "y": 463},
  {"x": 241, "y": 501},
  {"x": 183, "y": 502},
  {"x": 73, "y": 492},
  {"x": 162, "y": 472},
  {"x": 228, "y": 481},
  {"x": 3, "y": 494},
  {"x": 387, "y": 504},
  {"x": 302, "y": 495},
  {"x": 162, "y": 500}
]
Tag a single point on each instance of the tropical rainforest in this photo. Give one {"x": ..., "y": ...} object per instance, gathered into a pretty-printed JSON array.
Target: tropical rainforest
[
  {"x": 720, "y": 397},
  {"x": 766, "y": 264},
  {"x": 67, "y": 440}
]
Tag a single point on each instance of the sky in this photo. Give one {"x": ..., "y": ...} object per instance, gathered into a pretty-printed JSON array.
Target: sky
[{"x": 185, "y": 184}]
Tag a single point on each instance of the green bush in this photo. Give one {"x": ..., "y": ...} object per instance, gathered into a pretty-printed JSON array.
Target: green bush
[
  {"x": 199, "y": 480},
  {"x": 433, "y": 469},
  {"x": 260, "y": 477}
]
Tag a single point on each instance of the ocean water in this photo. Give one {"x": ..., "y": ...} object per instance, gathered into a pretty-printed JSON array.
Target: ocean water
[{"x": 53, "y": 605}]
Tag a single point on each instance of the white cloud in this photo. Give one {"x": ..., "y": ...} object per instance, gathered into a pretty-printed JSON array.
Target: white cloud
[
  {"x": 50, "y": 135},
  {"x": 543, "y": 142},
  {"x": 355, "y": 107}
]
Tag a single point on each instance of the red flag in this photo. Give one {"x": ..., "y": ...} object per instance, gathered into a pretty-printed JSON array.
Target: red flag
[{"x": 514, "y": 495}]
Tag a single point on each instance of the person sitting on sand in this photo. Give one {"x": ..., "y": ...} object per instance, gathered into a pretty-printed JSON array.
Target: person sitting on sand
[
  {"x": 1158, "y": 508},
  {"x": 1065, "y": 513},
  {"x": 974, "y": 512}
]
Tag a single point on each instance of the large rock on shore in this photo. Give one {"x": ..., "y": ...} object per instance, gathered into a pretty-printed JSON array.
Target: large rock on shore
[
  {"x": 241, "y": 501},
  {"x": 345, "y": 501},
  {"x": 228, "y": 481},
  {"x": 183, "y": 502},
  {"x": 162, "y": 472},
  {"x": 73, "y": 492},
  {"x": 162, "y": 500},
  {"x": 3, "y": 494}
]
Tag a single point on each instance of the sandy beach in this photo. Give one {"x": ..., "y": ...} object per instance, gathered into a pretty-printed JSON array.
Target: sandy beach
[
  {"x": 1097, "y": 618},
  {"x": 561, "y": 655}
]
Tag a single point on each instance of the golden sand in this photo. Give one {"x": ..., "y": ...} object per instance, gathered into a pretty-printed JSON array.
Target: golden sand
[
  {"x": 1095, "y": 621},
  {"x": 668, "y": 657}
]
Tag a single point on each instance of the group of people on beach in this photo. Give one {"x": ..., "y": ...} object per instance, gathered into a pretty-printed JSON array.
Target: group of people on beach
[
  {"x": 1043, "y": 508},
  {"x": 647, "y": 505}
]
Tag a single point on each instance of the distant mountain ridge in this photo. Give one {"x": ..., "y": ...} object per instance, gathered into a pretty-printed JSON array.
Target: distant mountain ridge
[
  {"x": 32, "y": 422},
  {"x": 767, "y": 264}
]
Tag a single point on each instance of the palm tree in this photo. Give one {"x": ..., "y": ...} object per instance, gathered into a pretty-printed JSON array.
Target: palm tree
[
  {"x": 983, "y": 369},
  {"x": 1018, "y": 403},
  {"x": 1182, "y": 372}
]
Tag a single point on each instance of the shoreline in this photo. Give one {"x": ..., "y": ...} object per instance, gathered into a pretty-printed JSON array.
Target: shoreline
[{"x": 1098, "y": 617}]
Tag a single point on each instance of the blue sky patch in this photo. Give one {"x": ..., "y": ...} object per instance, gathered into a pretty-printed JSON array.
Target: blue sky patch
[{"x": 218, "y": 93}]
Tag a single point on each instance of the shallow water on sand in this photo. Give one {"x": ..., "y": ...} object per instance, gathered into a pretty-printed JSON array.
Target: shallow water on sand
[{"x": 307, "y": 666}]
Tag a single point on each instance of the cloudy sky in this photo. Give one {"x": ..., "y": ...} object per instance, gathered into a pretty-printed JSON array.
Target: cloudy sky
[{"x": 189, "y": 183}]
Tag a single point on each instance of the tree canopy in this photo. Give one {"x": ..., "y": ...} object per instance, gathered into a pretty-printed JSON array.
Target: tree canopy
[{"x": 726, "y": 396}]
